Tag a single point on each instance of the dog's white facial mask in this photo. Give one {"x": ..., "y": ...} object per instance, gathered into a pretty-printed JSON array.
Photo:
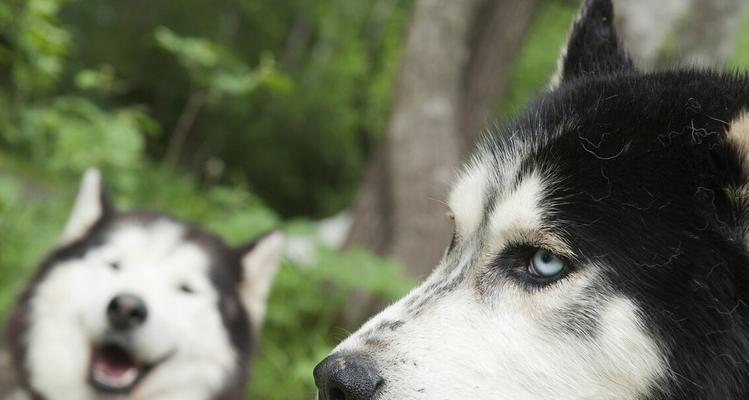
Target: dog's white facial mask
[
  {"x": 471, "y": 333},
  {"x": 183, "y": 336},
  {"x": 180, "y": 348}
]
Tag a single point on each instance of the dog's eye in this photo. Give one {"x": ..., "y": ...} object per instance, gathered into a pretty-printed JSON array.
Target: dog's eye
[
  {"x": 544, "y": 264},
  {"x": 114, "y": 265},
  {"x": 185, "y": 288}
]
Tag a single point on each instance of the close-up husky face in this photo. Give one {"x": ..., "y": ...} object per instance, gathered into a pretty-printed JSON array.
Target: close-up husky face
[
  {"x": 599, "y": 249},
  {"x": 141, "y": 306}
]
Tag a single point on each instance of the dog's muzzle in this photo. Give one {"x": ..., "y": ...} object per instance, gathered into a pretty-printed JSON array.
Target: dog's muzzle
[{"x": 340, "y": 377}]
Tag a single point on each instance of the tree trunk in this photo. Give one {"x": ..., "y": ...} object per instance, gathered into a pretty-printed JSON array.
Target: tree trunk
[
  {"x": 643, "y": 26},
  {"x": 498, "y": 35},
  {"x": 707, "y": 34},
  {"x": 456, "y": 61},
  {"x": 679, "y": 32},
  {"x": 370, "y": 227},
  {"x": 423, "y": 144}
]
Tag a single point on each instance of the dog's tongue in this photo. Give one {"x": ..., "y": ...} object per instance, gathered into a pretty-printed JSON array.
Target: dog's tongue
[{"x": 114, "y": 368}]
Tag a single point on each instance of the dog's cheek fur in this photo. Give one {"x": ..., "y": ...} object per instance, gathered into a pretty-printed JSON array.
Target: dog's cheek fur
[
  {"x": 473, "y": 331},
  {"x": 516, "y": 347},
  {"x": 56, "y": 357}
]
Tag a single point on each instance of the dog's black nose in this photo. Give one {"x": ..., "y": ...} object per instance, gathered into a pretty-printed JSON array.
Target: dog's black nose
[
  {"x": 346, "y": 378},
  {"x": 126, "y": 312}
]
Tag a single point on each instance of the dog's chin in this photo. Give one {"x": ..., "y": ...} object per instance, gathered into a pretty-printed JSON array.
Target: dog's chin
[{"x": 115, "y": 370}]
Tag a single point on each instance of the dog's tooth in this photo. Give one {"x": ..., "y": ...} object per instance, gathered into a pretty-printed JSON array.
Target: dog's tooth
[
  {"x": 129, "y": 377},
  {"x": 122, "y": 381}
]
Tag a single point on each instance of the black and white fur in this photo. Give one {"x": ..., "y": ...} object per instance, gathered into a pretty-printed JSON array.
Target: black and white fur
[
  {"x": 638, "y": 181},
  {"x": 202, "y": 305}
]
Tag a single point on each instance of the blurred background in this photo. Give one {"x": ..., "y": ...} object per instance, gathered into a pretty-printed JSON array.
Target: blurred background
[{"x": 340, "y": 121}]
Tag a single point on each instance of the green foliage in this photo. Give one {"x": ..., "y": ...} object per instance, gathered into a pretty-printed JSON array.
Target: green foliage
[
  {"x": 70, "y": 100},
  {"x": 102, "y": 79},
  {"x": 281, "y": 78},
  {"x": 214, "y": 69},
  {"x": 538, "y": 56},
  {"x": 30, "y": 219},
  {"x": 740, "y": 59},
  {"x": 71, "y": 134},
  {"x": 308, "y": 301},
  {"x": 40, "y": 43},
  {"x": 343, "y": 73}
]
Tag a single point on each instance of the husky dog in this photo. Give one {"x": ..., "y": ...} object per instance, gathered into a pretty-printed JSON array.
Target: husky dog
[
  {"x": 140, "y": 306},
  {"x": 600, "y": 249}
]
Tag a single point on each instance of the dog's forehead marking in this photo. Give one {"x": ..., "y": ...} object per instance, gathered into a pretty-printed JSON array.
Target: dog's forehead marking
[
  {"x": 157, "y": 244},
  {"x": 499, "y": 208},
  {"x": 503, "y": 201},
  {"x": 488, "y": 177},
  {"x": 516, "y": 213},
  {"x": 468, "y": 198}
]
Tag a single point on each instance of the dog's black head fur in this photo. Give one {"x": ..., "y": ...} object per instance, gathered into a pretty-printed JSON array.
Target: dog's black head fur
[{"x": 651, "y": 184}]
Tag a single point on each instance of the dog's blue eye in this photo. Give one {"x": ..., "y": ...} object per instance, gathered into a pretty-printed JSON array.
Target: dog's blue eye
[{"x": 545, "y": 265}]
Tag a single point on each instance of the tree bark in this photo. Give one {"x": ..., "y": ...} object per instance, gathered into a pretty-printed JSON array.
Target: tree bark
[
  {"x": 185, "y": 123},
  {"x": 423, "y": 143},
  {"x": 706, "y": 36},
  {"x": 497, "y": 38},
  {"x": 456, "y": 61},
  {"x": 643, "y": 26},
  {"x": 370, "y": 227},
  {"x": 671, "y": 33}
]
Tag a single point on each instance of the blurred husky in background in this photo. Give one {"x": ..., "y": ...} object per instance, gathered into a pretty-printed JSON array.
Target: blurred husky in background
[
  {"x": 600, "y": 249},
  {"x": 139, "y": 305}
]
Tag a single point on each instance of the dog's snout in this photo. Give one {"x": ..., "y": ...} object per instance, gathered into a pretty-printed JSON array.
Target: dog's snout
[
  {"x": 126, "y": 312},
  {"x": 346, "y": 378}
]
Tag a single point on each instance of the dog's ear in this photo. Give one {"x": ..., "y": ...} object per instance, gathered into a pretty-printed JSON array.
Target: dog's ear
[
  {"x": 260, "y": 262},
  {"x": 593, "y": 47},
  {"x": 91, "y": 204}
]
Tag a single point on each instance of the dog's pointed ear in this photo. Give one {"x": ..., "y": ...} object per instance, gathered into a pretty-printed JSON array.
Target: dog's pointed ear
[
  {"x": 260, "y": 261},
  {"x": 593, "y": 47},
  {"x": 91, "y": 204}
]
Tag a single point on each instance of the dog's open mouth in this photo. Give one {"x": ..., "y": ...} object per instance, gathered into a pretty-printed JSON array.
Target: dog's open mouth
[{"x": 114, "y": 369}]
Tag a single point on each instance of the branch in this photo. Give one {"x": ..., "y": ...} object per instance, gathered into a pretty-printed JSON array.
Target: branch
[{"x": 185, "y": 123}]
